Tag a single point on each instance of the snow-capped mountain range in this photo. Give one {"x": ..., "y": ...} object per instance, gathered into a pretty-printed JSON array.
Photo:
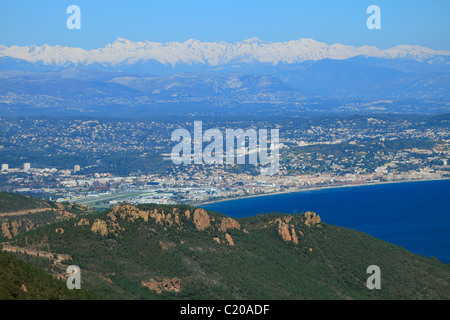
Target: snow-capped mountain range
[
  {"x": 300, "y": 75},
  {"x": 211, "y": 54}
]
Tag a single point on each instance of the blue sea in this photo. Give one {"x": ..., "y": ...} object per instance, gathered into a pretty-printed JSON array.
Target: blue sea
[{"x": 414, "y": 215}]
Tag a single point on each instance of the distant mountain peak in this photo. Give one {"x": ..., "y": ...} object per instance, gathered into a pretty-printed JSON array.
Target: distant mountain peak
[
  {"x": 195, "y": 52},
  {"x": 253, "y": 40}
]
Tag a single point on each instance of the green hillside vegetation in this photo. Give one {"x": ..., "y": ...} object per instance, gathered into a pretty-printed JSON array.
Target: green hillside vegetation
[
  {"x": 181, "y": 252},
  {"x": 20, "y": 213},
  {"x": 10, "y": 202},
  {"x": 19, "y": 281}
]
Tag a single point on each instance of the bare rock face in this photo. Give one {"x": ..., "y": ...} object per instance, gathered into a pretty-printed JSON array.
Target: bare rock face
[
  {"x": 229, "y": 239},
  {"x": 5, "y": 230},
  {"x": 111, "y": 215},
  {"x": 229, "y": 223},
  {"x": 100, "y": 226},
  {"x": 201, "y": 219},
  {"x": 104, "y": 228},
  {"x": 59, "y": 230},
  {"x": 286, "y": 229},
  {"x": 283, "y": 230},
  {"x": 83, "y": 222},
  {"x": 176, "y": 217},
  {"x": 311, "y": 218},
  {"x": 114, "y": 227},
  {"x": 64, "y": 215},
  {"x": 294, "y": 236},
  {"x": 15, "y": 227},
  {"x": 168, "y": 219},
  {"x": 173, "y": 285},
  {"x": 157, "y": 216},
  {"x": 130, "y": 212}
]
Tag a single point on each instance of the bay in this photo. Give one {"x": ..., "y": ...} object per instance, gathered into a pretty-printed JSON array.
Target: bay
[{"x": 414, "y": 215}]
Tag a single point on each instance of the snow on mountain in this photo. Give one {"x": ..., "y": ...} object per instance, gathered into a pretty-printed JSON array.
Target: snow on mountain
[{"x": 193, "y": 52}]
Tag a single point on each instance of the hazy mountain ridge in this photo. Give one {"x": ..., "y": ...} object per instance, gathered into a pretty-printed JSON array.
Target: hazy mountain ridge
[
  {"x": 300, "y": 75},
  {"x": 193, "y": 52}
]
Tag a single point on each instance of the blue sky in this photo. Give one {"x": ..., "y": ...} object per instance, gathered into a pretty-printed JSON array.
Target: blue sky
[{"x": 412, "y": 22}]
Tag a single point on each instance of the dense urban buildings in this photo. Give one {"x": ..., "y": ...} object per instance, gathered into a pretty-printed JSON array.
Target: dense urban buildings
[{"x": 102, "y": 163}]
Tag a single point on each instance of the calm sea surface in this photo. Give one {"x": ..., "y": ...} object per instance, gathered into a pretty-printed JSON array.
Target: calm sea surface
[{"x": 414, "y": 215}]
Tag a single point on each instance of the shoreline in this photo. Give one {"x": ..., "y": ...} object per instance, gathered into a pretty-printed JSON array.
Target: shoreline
[{"x": 315, "y": 189}]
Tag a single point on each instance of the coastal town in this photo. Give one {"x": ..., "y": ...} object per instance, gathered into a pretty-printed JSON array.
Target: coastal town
[
  {"x": 333, "y": 153},
  {"x": 102, "y": 190}
]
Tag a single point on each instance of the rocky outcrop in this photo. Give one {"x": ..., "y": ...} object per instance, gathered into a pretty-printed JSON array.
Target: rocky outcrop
[
  {"x": 100, "y": 226},
  {"x": 5, "y": 230},
  {"x": 104, "y": 228},
  {"x": 229, "y": 223},
  {"x": 311, "y": 218},
  {"x": 229, "y": 239},
  {"x": 129, "y": 212},
  {"x": 59, "y": 230},
  {"x": 171, "y": 285},
  {"x": 286, "y": 229},
  {"x": 14, "y": 228},
  {"x": 176, "y": 216},
  {"x": 64, "y": 215},
  {"x": 132, "y": 213},
  {"x": 294, "y": 236},
  {"x": 201, "y": 219},
  {"x": 283, "y": 231},
  {"x": 15, "y": 225},
  {"x": 173, "y": 217},
  {"x": 158, "y": 217},
  {"x": 112, "y": 216},
  {"x": 82, "y": 222}
]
